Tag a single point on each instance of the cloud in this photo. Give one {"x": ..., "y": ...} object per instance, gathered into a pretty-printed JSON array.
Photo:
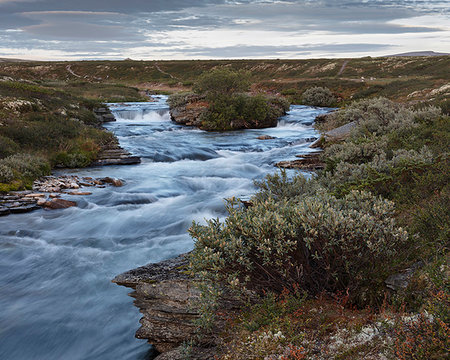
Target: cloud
[{"x": 221, "y": 28}]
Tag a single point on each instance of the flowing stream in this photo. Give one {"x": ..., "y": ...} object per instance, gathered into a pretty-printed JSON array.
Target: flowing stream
[{"x": 56, "y": 298}]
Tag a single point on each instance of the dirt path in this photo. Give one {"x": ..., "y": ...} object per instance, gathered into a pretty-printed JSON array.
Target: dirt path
[
  {"x": 164, "y": 72},
  {"x": 342, "y": 68},
  {"x": 71, "y": 71}
]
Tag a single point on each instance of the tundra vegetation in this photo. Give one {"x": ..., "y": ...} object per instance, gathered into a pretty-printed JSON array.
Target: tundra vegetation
[
  {"x": 228, "y": 105},
  {"x": 41, "y": 128},
  {"x": 311, "y": 257}
]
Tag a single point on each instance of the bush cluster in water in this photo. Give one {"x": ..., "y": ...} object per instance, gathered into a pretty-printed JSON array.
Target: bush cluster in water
[{"x": 229, "y": 106}]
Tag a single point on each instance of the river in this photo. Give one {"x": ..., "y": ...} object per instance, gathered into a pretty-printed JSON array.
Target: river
[{"x": 56, "y": 298}]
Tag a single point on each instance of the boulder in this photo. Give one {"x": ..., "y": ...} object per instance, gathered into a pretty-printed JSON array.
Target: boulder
[
  {"x": 113, "y": 182},
  {"x": 59, "y": 204},
  {"x": 341, "y": 132},
  {"x": 266, "y": 137}
]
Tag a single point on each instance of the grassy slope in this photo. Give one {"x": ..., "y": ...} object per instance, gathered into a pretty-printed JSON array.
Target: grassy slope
[{"x": 395, "y": 78}]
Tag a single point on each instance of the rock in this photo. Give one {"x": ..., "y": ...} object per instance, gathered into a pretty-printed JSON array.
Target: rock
[
  {"x": 41, "y": 202},
  {"x": 131, "y": 160},
  {"x": 163, "y": 292},
  {"x": 309, "y": 162},
  {"x": 189, "y": 112},
  {"x": 4, "y": 211},
  {"x": 340, "y": 133},
  {"x": 80, "y": 193},
  {"x": 115, "y": 155},
  {"x": 266, "y": 137},
  {"x": 34, "y": 195},
  {"x": 54, "y": 196},
  {"x": 104, "y": 115},
  {"x": 166, "y": 296},
  {"x": 59, "y": 204},
  {"x": 74, "y": 185},
  {"x": 195, "y": 353},
  {"x": 113, "y": 182},
  {"x": 23, "y": 209},
  {"x": 400, "y": 281}
]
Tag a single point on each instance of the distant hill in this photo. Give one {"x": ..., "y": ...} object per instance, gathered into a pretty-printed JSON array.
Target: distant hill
[
  {"x": 12, "y": 60},
  {"x": 419, "y": 53}
]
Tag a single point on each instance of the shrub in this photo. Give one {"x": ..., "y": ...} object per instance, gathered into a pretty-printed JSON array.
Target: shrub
[
  {"x": 422, "y": 338},
  {"x": 317, "y": 241},
  {"x": 26, "y": 167},
  {"x": 318, "y": 96},
  {"x": 7, "y": 147},
  {"x": 240, "y": 111},
  {"x": 75, "y": 159},
  {"x": 375, "y": 116},
  {"x": 6, "y": 174},
  {"x": 222, "y": 81}
]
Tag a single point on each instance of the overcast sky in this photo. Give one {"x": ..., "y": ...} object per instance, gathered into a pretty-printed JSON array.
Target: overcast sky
[{"x": 206, "y": 29}]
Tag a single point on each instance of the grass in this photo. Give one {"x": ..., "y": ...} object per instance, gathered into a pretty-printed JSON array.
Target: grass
[{"x": 44, "y": 127}]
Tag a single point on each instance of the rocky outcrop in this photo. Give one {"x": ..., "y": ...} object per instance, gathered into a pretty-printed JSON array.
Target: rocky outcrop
[
  {"x": 341, "y": 132},
  {"x": 187, "y": 111},
  {"x": 47, "y": 191},
  {"x": 115, "y": 155},
  {"x": 165, "y": 295},
  {"x": 104, "y": 115},
  {"x": 167, "y": 298},
  {"x": 309, "y": 162}
]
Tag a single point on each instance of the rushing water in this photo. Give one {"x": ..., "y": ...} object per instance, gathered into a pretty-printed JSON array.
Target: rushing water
[{"x": 56, "y": 298}]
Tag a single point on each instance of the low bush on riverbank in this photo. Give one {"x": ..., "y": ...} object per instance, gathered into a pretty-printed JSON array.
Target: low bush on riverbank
[
  {"x": 338, "y": 235},
  {"x": 19, "y": 171},
  {"x": 43, "y": 126},
  {"x": 319, "y": 96}
]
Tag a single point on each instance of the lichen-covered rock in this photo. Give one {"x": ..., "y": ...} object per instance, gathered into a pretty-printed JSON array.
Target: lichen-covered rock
[{"x": 165, "y": 295}]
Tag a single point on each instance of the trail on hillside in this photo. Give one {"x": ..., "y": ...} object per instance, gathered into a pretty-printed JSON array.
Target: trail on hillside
[
  {"x": 164, "y": 72},
  {"x": 68, "y": 68},
  {"x": 342, "y": 68}
]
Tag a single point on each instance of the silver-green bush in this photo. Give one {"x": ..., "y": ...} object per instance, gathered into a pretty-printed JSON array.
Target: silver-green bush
[
  {"x": 318, "y": 96},
  {"x": 313, "y": 240}
]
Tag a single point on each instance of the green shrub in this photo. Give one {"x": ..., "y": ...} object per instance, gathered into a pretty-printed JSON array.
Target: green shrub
[
  {"x": 6, "y": 174},
  {"x": 181, "y": 99},
  {"x": 318, "y": 96},
  {"x": 75, "y": 159},
  {"x": 317, "y": 241},
  {"x": 7, "y": 147},
  {"x": 240, "y": 111},
  {"x": 222, "y": 81},
  {"x": 25, "y": 167},
  {"x": 290, "y": 91}
]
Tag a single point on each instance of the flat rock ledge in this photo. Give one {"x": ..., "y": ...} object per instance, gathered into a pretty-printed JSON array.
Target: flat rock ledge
[
  {"x": 104, "y": 115},
  {"x": 308, "y": 162},
  {"x": 115, "y": 155},
  {"x": 47, "y": 192},
  {"x": 166, "y": 296}
]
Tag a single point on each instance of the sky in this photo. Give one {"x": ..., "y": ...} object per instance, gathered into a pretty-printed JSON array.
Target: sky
[{"x": 219, "y": 29}]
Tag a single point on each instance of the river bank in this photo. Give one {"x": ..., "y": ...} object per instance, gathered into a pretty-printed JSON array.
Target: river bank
[{"x": 59, "y": 301}]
